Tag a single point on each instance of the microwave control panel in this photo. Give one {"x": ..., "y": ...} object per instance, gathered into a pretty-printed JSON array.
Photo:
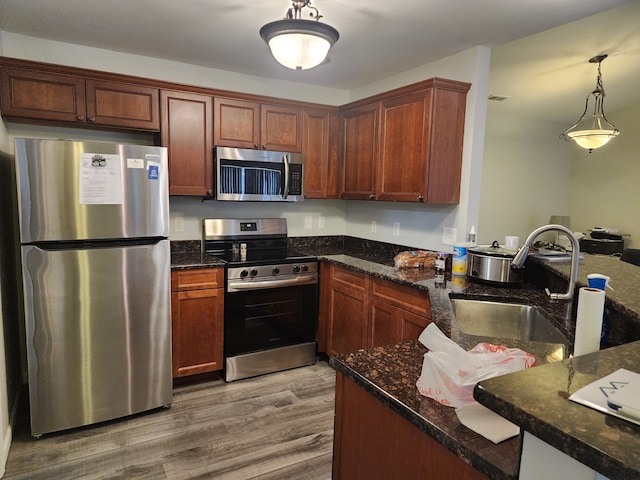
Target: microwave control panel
[{"x": 295, "y": 179}]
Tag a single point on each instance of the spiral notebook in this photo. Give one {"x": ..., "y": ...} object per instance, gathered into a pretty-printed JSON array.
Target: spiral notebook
[{"x": 601, "y": 395}]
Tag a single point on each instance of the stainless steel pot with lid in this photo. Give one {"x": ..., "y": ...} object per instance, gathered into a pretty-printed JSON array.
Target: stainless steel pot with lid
[{"x": 492, "y": 263}]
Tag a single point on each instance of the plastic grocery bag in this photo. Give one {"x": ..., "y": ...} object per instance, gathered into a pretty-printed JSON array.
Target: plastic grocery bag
[{"x": 449, "y": 373}]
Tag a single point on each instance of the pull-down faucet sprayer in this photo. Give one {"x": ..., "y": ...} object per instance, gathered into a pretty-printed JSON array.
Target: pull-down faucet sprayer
[{"x": 521, "y": 256}]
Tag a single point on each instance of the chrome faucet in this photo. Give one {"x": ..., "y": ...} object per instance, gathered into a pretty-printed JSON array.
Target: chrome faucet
[{"x": 521, "y": 256}]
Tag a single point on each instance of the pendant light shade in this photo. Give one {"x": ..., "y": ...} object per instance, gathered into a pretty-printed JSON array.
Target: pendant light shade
[
  {"x": 299, "y": 44},
  {"x": 593, "y": 131}
]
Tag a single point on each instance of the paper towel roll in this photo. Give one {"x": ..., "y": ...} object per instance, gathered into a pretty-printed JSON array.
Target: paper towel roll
[{"x": 589, "y": 321}]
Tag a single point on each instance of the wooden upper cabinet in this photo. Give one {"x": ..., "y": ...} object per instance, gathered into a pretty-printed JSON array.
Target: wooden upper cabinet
[
  {"x": 445, "y": 141},
  {"x": 187, "y": 133},
  {"x": 280, "y": 128},
  {"x": 360, "y": 152},
  {"x": 247, "y": 124},
  {"x": 320, "y": 149},
  {"x": 122, "y": 105},
  {"x": 237, "y": 123},
  {"x": 42, "y": 96},
  {"x": 52, "y": 97},
  {"x": 403, "y": 163},
  {"x": 406, "y": 144}
]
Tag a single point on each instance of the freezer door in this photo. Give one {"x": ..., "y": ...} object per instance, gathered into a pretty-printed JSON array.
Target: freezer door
[
  {"x": 98, "y": 328},
  {"x": 88, "y": 191}
]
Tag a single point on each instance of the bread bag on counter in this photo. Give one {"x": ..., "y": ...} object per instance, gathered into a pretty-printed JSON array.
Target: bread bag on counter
[{"x": 415, "y": 259}]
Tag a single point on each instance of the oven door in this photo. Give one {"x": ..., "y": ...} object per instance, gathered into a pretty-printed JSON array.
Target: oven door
[{"x": 270, "y": 318}]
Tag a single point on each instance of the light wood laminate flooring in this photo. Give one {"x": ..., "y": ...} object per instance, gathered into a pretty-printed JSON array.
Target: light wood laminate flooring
[{"x": 278, "y": 426}]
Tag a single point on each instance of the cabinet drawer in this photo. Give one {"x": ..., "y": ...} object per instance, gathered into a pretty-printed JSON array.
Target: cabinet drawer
[
  {"x": 350, "y": 279},
  {"x": 197, "y": 279},
  {"x": 407, "y": 298}
]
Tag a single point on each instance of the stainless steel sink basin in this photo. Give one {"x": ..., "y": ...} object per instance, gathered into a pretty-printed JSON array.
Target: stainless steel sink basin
[{"x": 505, "y": 320}]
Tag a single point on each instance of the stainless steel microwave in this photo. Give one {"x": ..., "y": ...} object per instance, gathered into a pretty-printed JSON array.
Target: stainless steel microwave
[{"x": 257, "y": 175}]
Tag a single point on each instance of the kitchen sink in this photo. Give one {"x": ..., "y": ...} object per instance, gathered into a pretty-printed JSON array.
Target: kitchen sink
[{"x": 505, "y": 320}]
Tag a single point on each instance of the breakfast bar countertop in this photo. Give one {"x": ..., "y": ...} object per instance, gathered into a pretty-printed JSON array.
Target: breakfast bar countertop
[{"x": 537, "y": 400}]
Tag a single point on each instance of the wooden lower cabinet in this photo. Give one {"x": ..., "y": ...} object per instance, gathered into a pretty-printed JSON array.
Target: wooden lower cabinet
[
  {"x": 372, "y": 441},
  {"x": 358, "y": 311},
  {"x": 197, "y": 309}
]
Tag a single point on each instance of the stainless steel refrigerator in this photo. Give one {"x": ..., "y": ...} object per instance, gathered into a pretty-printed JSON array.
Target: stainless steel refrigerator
[{"x": 94, "y": 226}]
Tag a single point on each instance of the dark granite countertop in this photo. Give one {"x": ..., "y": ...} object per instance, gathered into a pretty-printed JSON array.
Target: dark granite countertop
[
  {"x": 537, "y": 401},
  {"x": 390, "y": 373},
  {"x": 190, "y": 260}
]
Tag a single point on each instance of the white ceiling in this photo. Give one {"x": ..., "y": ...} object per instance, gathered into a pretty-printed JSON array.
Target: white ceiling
[{"x": 378, "y": 38}]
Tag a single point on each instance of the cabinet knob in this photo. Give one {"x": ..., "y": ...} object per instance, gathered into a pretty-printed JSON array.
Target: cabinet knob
[
  {"x": 81, "y": 119},
  {"x": 372, "y": 197},
  {"x": 264, "y": 147},
  {"x": 420, "y": 198},
  {"x": 255, "y": 145},
  {"x": 92, "y": 119},
  {"x": 209, "y": 193}
]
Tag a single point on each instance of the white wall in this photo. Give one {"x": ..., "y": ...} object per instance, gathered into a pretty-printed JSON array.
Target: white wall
[
  {"x": 526, "y": 176},
  {"x": 605, "y": 184}
]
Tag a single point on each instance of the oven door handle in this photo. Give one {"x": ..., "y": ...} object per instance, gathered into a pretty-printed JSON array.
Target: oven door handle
[{"x": 244, "y": 285}]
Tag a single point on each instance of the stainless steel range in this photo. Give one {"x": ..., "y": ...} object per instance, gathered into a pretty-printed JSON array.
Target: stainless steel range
[{"x": 271, "y": 297}]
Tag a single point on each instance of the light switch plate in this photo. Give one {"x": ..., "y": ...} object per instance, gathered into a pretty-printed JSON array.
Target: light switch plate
[
  {"x": 178, "y": 224},
  {"x": 308, "y": 222},
  {"x": 374, "y": 226},
  {"x": 449, "y": 235},
  {"x": 396, "y": 228},
  {"x": 321, "y": 221}
]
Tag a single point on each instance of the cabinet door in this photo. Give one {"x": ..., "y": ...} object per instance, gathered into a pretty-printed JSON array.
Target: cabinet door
[
  {"x": 348, "y": 312},
  {"x": 187, "y": 133},
  {"x": 42, "y": 96},
  {"x": 360, "y": 152},
  {"x": 446, "y": 140},
  {"x": 122, "y": 105},
  {"x": 197, "y": 332},
  {"x": 237, "y": 123},
  {"x": 280, "y": 128},
  {"x": 385, "y": 327},
  {"x": 320, "y": 135},
  {"x": 404, "y": 140},
  {"x": 410, "y": 324}
]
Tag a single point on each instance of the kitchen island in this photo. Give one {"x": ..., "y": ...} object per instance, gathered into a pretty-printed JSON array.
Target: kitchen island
[{"x": 389, "y": 373}]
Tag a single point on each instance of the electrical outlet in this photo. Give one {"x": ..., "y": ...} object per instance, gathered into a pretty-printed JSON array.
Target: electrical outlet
[
  {"x": 396, "y": 228},
  {"x": 308, "y": 222},
  {"x": 321, "y": 221},
  {"x": 374, "y": 226},
  {"x": 178, "y": 222},
  {"x": 449, "y": 235}
]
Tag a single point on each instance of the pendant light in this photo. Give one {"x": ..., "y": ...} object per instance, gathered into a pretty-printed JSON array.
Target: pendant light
[
  {"x": 299, "y": 44},
  {"x": 595, "y": 131}
]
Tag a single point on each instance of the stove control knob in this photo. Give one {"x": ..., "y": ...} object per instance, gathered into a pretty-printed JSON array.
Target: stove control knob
[
  {"x": 243, "y": 274},
  {"x": 296, "y": 269},
  {"x": 254, "y": 272},
  {"x": 305, "y": 268},
  {"x": 275, "y": 270}
]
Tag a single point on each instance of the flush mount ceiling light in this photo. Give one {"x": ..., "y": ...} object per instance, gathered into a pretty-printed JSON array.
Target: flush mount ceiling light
[
  {"x": 299, "y": 44},
  {"x": 595, "y": 131}
]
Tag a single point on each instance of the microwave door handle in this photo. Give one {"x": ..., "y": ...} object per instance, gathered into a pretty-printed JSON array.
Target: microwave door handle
[{"x": 285, "y": 193}]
